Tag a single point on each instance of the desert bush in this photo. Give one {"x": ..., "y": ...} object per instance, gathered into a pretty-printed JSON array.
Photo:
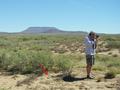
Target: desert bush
[
  {"x": 64, "y": 63},
  {"x": 107, "y": 62},
  {"x": 25, "y": 61},
  {"x": 115, "y": 55},
  {"x": 113, "y": 44},
  {"x": 110, "y": 75},
  {"x": 6, "y": 43},
  {"x": 110, "y": 53}
]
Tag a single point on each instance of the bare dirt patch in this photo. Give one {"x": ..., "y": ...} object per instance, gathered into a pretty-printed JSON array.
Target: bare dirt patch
[{"x": 58, "y": 81}]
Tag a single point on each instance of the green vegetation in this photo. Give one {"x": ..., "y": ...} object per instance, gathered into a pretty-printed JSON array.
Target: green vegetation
[
  {"x": 64, "y": 63},
  {"x": 104, "y": 63},
  {"x": 23, "y": 53},
  {"x": 113, "y": 41},
  {"x": 113, "y": 44},
  {"x": 24, "y": 61},
  {"x": 110, "y": 75}
]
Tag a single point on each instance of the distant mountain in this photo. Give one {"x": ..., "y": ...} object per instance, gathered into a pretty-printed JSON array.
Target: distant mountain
[
  {"x": 4, "y": 33},
  {"x": 38, "y": 30}
]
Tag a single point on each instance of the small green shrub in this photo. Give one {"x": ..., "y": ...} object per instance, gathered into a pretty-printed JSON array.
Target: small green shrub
[
  {"x": 110, "y": 53},
  {"x": 110, "y": 75},
  {"x": 115, "y": 55},
  {"x": 64, "y": 63}
]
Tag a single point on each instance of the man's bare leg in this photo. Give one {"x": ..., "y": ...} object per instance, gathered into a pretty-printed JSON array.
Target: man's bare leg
[{"x": 88, "y": 69}]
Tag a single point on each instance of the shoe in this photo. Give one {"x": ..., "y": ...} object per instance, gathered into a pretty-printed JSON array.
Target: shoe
[{"x": 88, "y": 77}]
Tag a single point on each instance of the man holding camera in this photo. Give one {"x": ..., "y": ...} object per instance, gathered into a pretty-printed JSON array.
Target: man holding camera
[{"x": 90, "y": 46}]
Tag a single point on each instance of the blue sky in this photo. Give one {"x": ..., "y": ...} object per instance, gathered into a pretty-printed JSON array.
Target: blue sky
[{"x": 101, "y": 16}]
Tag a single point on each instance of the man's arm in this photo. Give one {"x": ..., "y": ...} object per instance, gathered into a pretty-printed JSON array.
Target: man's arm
[
  {"x": 96, "y": 41},
  {"x": 87, "y": 43}
]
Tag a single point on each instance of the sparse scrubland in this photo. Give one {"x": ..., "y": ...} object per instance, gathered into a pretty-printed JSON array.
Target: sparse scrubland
[{"x": 22, "y": 54}]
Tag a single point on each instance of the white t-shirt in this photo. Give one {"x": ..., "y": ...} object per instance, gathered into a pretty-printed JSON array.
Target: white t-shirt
[{"x": 89, "y": 46}]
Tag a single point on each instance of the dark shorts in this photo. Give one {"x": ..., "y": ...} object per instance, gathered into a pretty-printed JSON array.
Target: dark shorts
[{"x": 90, "y": 60}]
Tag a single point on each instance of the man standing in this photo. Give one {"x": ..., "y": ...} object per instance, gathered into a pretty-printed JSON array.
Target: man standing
[{"x": 90, "y": 46}]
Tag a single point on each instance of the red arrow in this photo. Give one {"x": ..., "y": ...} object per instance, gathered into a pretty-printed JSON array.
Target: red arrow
[{"x": 44, "y": 70}]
